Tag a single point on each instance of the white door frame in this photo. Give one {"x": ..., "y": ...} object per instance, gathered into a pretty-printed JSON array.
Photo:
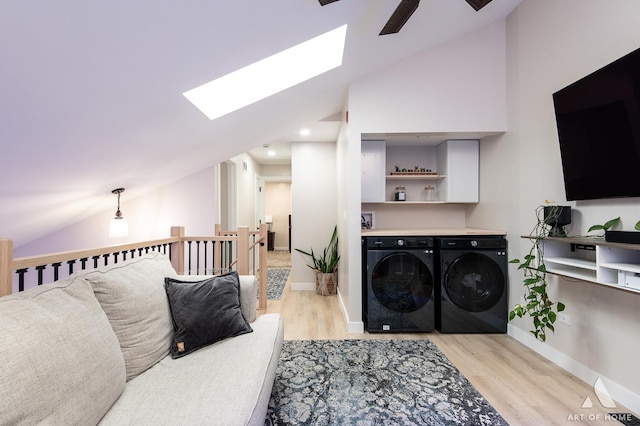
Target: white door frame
[{"x": 259, "y": 201}]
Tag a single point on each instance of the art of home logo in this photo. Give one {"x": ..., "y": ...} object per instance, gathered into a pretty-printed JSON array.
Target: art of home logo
[
  {"x": 603, "y": 396},
  {"x": 605, "y": 400}
]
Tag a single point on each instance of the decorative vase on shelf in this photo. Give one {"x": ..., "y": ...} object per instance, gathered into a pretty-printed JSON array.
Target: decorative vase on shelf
[
  {"x": 429, "y": 193},
  {"x": 557, "y": 217}
]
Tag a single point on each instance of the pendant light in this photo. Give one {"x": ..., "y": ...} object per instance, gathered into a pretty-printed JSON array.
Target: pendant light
[{"x": 118, "y": 226}]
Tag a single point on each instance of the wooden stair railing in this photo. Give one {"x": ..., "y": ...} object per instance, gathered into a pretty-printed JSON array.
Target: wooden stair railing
[
  {"x": 249, "y": 247},
  {"x": 256, "y": 243}
]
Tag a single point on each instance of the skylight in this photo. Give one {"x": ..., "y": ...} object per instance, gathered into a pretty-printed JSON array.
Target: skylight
[{"x": 270, "y": 75}]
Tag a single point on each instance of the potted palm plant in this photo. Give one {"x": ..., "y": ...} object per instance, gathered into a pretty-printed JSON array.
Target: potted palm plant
[{"x": 325, "y": 266}]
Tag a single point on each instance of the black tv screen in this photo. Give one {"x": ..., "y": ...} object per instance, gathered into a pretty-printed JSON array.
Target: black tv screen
[{"x": 598, "y": 120}]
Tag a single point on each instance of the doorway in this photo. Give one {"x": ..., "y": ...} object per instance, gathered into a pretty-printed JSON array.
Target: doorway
[{"x": 277, "y": 207}]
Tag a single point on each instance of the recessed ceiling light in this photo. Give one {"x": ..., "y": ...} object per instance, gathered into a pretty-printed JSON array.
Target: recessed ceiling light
[
  {"x": 305, "y": 132},
  {"x": 270, "y": 75},
  {"x": 271, "y": 153}
]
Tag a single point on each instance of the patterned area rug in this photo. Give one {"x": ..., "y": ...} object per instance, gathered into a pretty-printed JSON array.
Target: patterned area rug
[
  {"x": 373, "y": 382},
  {"x": 276, "y": 280}
]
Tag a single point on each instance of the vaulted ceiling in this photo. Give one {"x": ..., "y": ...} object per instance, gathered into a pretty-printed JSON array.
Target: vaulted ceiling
[{"x": 91, "y": 91}]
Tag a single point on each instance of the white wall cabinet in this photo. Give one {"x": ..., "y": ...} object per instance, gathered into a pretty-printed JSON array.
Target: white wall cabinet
[
  {"x": 373, "y": 161},
  {"x": 611, "y": 264},
  {"x": 453, "y": 168},
  {"x": 458, "y": 160}
]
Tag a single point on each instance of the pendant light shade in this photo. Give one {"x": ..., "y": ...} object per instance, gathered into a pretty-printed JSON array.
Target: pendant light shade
[{"x": 118, "y": 226}]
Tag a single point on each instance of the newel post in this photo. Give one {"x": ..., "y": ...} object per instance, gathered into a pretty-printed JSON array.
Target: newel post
[
  {"x": 6, "y": 266},
  {"x": 177, "y": 249},
  {"x": 243, "y": 250}
]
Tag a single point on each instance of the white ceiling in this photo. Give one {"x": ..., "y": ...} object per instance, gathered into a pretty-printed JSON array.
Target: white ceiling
[
  {"x": 320, "y": 131},
  {"x": 91, "y": 91}
]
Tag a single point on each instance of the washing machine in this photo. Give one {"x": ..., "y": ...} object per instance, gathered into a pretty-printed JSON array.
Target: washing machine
[
  {"x": 398, "y": 284},
  {"x": 472, "y": 295}
]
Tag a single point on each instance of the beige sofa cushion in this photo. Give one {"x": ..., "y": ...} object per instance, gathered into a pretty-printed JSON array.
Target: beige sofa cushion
[
  {"x": 227, "y": 383},
  {"x": 60, "y": 361},
  {"x": 133, "y": 297}
]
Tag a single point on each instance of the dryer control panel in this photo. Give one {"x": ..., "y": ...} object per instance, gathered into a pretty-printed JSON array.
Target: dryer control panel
[
  {"x": 399, "y": 242},
  {"x": 480, "y": 243}
]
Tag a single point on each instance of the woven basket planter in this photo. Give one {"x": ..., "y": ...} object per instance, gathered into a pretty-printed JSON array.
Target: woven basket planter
[{"x": 326, "y": 283}]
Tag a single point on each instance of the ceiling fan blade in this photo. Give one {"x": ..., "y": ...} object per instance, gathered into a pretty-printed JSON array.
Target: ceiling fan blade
[
  {"x": 326, "y": 2},
  {"x": 477, "y": 4},
  {"x": 400, "y": 16}
]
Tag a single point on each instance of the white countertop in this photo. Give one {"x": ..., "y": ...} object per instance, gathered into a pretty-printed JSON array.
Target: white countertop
[{"x": 429, "y": 232}]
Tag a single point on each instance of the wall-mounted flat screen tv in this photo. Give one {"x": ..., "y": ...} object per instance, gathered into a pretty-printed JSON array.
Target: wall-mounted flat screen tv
[{"x": 598, "y": 120}]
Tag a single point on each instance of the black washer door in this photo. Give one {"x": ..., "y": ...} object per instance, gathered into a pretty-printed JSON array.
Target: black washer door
[
  {"x": 474, "y": 282},
  {"x": 402, "y": 282}
]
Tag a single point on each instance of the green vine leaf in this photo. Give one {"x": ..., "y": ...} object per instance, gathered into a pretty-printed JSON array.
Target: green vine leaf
[
  {"x": 540, "y": 289},
  {"x": 608, "y": 225},
  {"x": 611, "y": 223}
]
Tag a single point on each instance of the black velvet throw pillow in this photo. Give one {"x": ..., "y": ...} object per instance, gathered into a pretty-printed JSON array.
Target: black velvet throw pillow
[{"x": 204, "y": 312}]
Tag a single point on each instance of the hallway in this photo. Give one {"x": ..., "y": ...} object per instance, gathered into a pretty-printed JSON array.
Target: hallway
[{"x": 278, "y": 259}]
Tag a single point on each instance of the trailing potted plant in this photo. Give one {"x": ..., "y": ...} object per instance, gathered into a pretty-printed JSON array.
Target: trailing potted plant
[
  {"x": 326, "y": 266},
  {"x": 537, "y": 304}
]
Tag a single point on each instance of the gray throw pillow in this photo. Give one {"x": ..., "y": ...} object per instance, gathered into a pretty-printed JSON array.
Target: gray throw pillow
[{"x": 204, "y": 312}]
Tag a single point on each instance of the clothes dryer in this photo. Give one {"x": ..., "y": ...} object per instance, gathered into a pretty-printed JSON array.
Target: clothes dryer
[
  {"x": 472, "y": 295},
  {"x": 398, "y": 284}
]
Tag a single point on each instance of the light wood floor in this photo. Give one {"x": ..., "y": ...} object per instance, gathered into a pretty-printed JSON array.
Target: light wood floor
[
  {"x": 278, "y": 259},
  {"x": 525, "y": 388}
]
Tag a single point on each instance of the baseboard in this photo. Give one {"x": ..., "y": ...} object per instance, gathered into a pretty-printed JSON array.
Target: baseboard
[
  {"x": 353, "y": 327},
  {"x": 619, "y": 393},
  {"x": 303, "y": 286}
]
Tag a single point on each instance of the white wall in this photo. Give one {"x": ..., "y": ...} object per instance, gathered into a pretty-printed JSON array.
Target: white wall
[
  {"x": 190, "y": 202},
  {"x": 247, "y": 171},
  {"x": 314, "y": 204},
  {"x": 276, "y": 172},
  {"x": 391, "y": 216},
  {"x": 456, "y": 87},
  {"x": 348, "y": 223},
  {"x": 551, "y": 44}
]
